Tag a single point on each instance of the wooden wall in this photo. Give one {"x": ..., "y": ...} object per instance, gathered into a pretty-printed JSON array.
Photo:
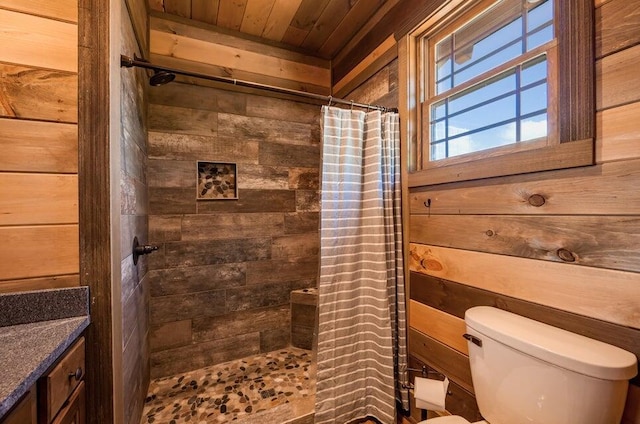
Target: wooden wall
[
  {"x": 221, "y": 282},
  {"x": 39, "y": 144},
  {"x": 193, "y": 46},
  {"x": 571, "y": 262},
  {"x": 134, "y": 209}
]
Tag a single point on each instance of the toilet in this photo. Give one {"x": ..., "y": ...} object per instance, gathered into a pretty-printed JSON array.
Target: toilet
[{"x": 525, "y": 371}]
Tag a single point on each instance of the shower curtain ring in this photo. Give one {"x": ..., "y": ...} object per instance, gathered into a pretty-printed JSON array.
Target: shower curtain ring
[
  {"x": 330, "y": 98},
  {"x": 351, "y": 104}
]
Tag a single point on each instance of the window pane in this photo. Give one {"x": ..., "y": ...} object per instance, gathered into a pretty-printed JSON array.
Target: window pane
[
  {"x": 487, "y": 139},
  {"x": 539, "y": 38},
  {"x": 438, "y": 111},
  {"x": 482, "y": 92},
  {"x": 443, "y": 86},
  {"x": 438, "y": 131},
  {"x": 534, "y": 127},
  {"x": 488, "y": 114},
  {"x": 533, "y": 71},
  {"x": 465, "y": 55},
  {"x": 443, "y": 49},
  {"x": 540, "y": 15},
  {"x": 487, "y": 64},
  {"x": 438, "y": 151},
  {"x": 533, "y": 99}
]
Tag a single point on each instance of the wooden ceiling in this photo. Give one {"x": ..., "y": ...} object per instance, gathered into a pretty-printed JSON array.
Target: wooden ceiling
[{"x": 320, "y": 27}]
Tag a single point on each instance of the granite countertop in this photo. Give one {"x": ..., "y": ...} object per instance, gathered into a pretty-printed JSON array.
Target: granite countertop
[{"x": 35, "y": 329}]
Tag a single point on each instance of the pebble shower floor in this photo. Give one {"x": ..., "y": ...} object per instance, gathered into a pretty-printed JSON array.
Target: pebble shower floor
[{"x": 275, "y": 388}]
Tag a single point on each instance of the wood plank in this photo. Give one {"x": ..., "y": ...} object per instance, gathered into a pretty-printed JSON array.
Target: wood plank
[
  {"x": 280, "y": 18},
  {"x": 294, "y": 36},
  {"x": 455, "y": 299},
  {"x": 230, "y": 13},
  {"x": 32, "y": 146},
  {"x": 355, "y": 19},
  {"x": 326, "y": 23},
  {"x": 240, "y": 75},
  {"x": 255, "y": 16},
  {"x": 216, "y": 54},
  {"x": 243, "y": 42},
  {"x": 262, "y": 129},
  {"x": 231, "y": 226},
  {"x": 205, "y": 11},
  {"x": 616, "y": 27},
  {"x": 442, "y": 358},
  {"x": 38, "y": 94},
  {"x": 42, "y": 283},
  {"x": 439, "y": 325},
  {"x": 178, "y": 120},
  {"x": 39, "y": 42},
  {"x": 618, "y": 133},
  {"x": 30, "y": 199},
  {"x": 308, "y": 13},
  {"x": 617, "y": 82},
  {"x": 609, "y": 295},
  {"x": 178, "y": 7},
  {"x": 23, "y": 249},
  {"x": 194, "y": 279},
  {"x": 97, "y": 107},
  {"x": 596, "y": 241},
  {"x": 605, "y": 189},
  {"x": 373, "y": 89},
  {"x": 194, "y": 147},
  {"x": 379, "y": 57},
  {"x": 64, "y": 10}
]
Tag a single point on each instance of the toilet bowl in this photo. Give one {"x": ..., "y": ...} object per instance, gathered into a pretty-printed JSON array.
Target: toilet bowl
[{"x": 526, "y": 371}]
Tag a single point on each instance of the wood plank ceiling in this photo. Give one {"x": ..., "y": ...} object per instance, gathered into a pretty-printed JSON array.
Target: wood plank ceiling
[{"x": 320, "y": 27}]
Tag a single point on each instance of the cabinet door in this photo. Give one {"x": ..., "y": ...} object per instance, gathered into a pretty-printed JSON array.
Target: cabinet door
[
  {"x": 25, "y": 411},
  {"x": 75, "y": 409}
]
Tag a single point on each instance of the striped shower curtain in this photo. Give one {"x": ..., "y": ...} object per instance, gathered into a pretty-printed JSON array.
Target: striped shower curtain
[{"x": 361, "y": 338}]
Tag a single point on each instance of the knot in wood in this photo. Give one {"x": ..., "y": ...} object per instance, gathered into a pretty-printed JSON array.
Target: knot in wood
[
  {"x": 566, "y": 255},
  {"x": 536, "y": 200},
  {"x": 489, "y": 233}
]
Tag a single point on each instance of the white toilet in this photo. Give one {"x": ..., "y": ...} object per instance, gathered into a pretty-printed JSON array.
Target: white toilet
[{"x": 525, "y": 372}]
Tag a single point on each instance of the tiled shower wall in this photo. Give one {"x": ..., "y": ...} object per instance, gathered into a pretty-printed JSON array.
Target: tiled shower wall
[{"x": 221, "y": 280}]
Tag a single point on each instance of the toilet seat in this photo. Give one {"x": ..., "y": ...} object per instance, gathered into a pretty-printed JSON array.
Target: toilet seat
[{"x": 451, "y": 419}]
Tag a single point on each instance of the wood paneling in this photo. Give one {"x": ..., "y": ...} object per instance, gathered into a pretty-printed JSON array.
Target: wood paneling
[
  {"x": 235, "y": 57},
  {"x": 548, "y": 283},
  {"x": 616, "y": 26},
  {"x": 596, "y": 241},
  {"x": 563, "y": 192},
  {"x": 440, "y": 326},
  {"x": 33, "y": 146},
  {"x": 40, "y": 94},
  {"x": 617, "y": 133},
  {"x": 455, "y": 298},
  {"x": 617, "y": 83},
  {"x": 30, "y": 199},
  {"x": 38, "y": 51},
  {"x": 23, "y": 249},
  {"x": 39, "y": 42},
  {"x": 65, "y": 10}
]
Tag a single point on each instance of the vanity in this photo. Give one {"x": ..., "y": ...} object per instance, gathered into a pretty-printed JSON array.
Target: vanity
[{"x": 42, "y": 356}]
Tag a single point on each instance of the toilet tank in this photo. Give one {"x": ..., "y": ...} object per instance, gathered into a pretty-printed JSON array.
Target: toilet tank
[{"x": 529, "y": 372}]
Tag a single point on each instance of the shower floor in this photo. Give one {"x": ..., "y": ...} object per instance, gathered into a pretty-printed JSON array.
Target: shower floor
[{"x": 276, "y": 388}]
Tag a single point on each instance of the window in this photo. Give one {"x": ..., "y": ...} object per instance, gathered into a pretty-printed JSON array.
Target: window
[{"x": 497, "y": 78}]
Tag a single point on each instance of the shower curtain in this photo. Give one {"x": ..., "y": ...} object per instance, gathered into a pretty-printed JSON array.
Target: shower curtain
[{"x": 361, "y": 337}]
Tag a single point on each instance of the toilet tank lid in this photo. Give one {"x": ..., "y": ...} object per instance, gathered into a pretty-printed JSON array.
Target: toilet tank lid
[{"x": 554, "y": 345}]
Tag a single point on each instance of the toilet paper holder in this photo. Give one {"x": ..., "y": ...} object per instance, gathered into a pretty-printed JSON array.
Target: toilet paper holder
[{"x": 426, "y": 372}]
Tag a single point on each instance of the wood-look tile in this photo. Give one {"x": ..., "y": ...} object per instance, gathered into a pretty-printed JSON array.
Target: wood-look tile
[{"x": 194, "y": 279}]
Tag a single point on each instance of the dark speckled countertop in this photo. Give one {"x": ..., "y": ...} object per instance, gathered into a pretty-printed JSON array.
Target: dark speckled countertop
[{"x": 35, "y": 329}]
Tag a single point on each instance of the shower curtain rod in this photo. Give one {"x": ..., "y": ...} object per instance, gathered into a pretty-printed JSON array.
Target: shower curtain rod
[{"x": 128, "y": 62}]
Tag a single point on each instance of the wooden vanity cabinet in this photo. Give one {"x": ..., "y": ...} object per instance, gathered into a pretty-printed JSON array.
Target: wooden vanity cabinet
[
  {"x": 61, "y": 391},
  {"x": 25, "y": 411}
]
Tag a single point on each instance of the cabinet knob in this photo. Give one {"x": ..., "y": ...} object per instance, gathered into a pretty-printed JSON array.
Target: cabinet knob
[{"x": 77, "y": 375}]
